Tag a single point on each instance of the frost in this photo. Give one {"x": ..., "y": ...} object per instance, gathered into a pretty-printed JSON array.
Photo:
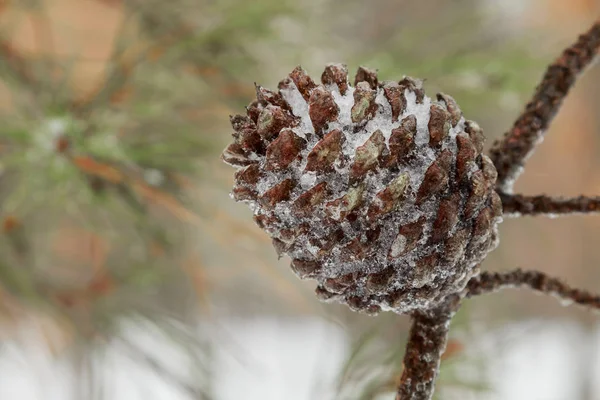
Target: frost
[
  {"x": 267, "y": 183},
  {"x": 336, "y": 212},
  {"x": 421, "y": 111},
  {"x": 345, "y": 104},
  {"x": 299, "y": 106},
  {"x": 308, "y": 180},
  {"x": 314, "y": 250},
  {"x": 398, "y": 246}
]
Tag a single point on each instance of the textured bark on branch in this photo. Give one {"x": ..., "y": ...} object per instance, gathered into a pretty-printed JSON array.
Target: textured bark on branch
[
  {"x": 426, "y": 344},
  {"x": 509, "y": 154},
  {"x": 491, "y": 282},
  {"x": 517, "y": 205}
]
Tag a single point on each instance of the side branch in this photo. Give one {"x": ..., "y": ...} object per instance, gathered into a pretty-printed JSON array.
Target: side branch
[
  {"x": 490, "y": 282},
  {"x": 426, "y": 344},
  {"x": 510, "y": 153},
  {"x": 518, "y": 205}
]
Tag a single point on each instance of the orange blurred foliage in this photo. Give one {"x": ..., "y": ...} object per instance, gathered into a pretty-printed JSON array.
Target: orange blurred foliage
[
  {"x": 10, "y": 223},
  {"x": 95, "y": 168}
]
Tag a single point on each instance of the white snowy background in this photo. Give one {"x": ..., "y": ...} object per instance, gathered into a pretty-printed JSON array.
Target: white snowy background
[{"x": 299, "y": 359}]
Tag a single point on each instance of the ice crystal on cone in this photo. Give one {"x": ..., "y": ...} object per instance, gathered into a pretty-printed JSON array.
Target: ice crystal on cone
[{"x": 374, "y": 190}]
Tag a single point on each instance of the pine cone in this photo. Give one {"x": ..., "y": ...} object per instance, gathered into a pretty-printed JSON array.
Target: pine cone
[{"x": 376, "y": 191}]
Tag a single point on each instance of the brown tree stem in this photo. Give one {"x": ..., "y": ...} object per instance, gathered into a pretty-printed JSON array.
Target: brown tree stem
[
  {"x": 509, "y": 154},
  {"x": 491, "y": 282},
  {"x": 424, "y": 349},
  {"x": 519, "y": 205}
]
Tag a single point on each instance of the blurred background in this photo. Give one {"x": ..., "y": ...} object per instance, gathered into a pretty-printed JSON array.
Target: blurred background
[{"x": 126, "y": 272}]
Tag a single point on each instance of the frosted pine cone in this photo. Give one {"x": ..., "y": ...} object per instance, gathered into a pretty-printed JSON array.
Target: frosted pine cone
[{"x": 376, "y": 191}]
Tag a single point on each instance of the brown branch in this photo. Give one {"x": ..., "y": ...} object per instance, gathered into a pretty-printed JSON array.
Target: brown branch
[
  {"x": 490, "y": 282},
  {"x": 425, "y": 346},
  {"x": 518, "y": 205},
  {"x": 510, "y": 153}
]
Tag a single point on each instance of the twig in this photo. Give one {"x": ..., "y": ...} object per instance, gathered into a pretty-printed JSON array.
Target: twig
[
  {"x": 510, "y": 153},
  {"x": 518, "y": 205},
  {"x": 424, "y": 349},
  {"x": 490, "y": 282}
]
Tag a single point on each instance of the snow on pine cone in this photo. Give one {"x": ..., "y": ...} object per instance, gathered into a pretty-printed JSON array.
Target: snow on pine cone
[{"x": 376, "y": 191}]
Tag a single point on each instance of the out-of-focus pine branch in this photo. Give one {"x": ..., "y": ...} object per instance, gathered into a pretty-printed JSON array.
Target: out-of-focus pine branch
[{"x": 110, "y": 162}]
